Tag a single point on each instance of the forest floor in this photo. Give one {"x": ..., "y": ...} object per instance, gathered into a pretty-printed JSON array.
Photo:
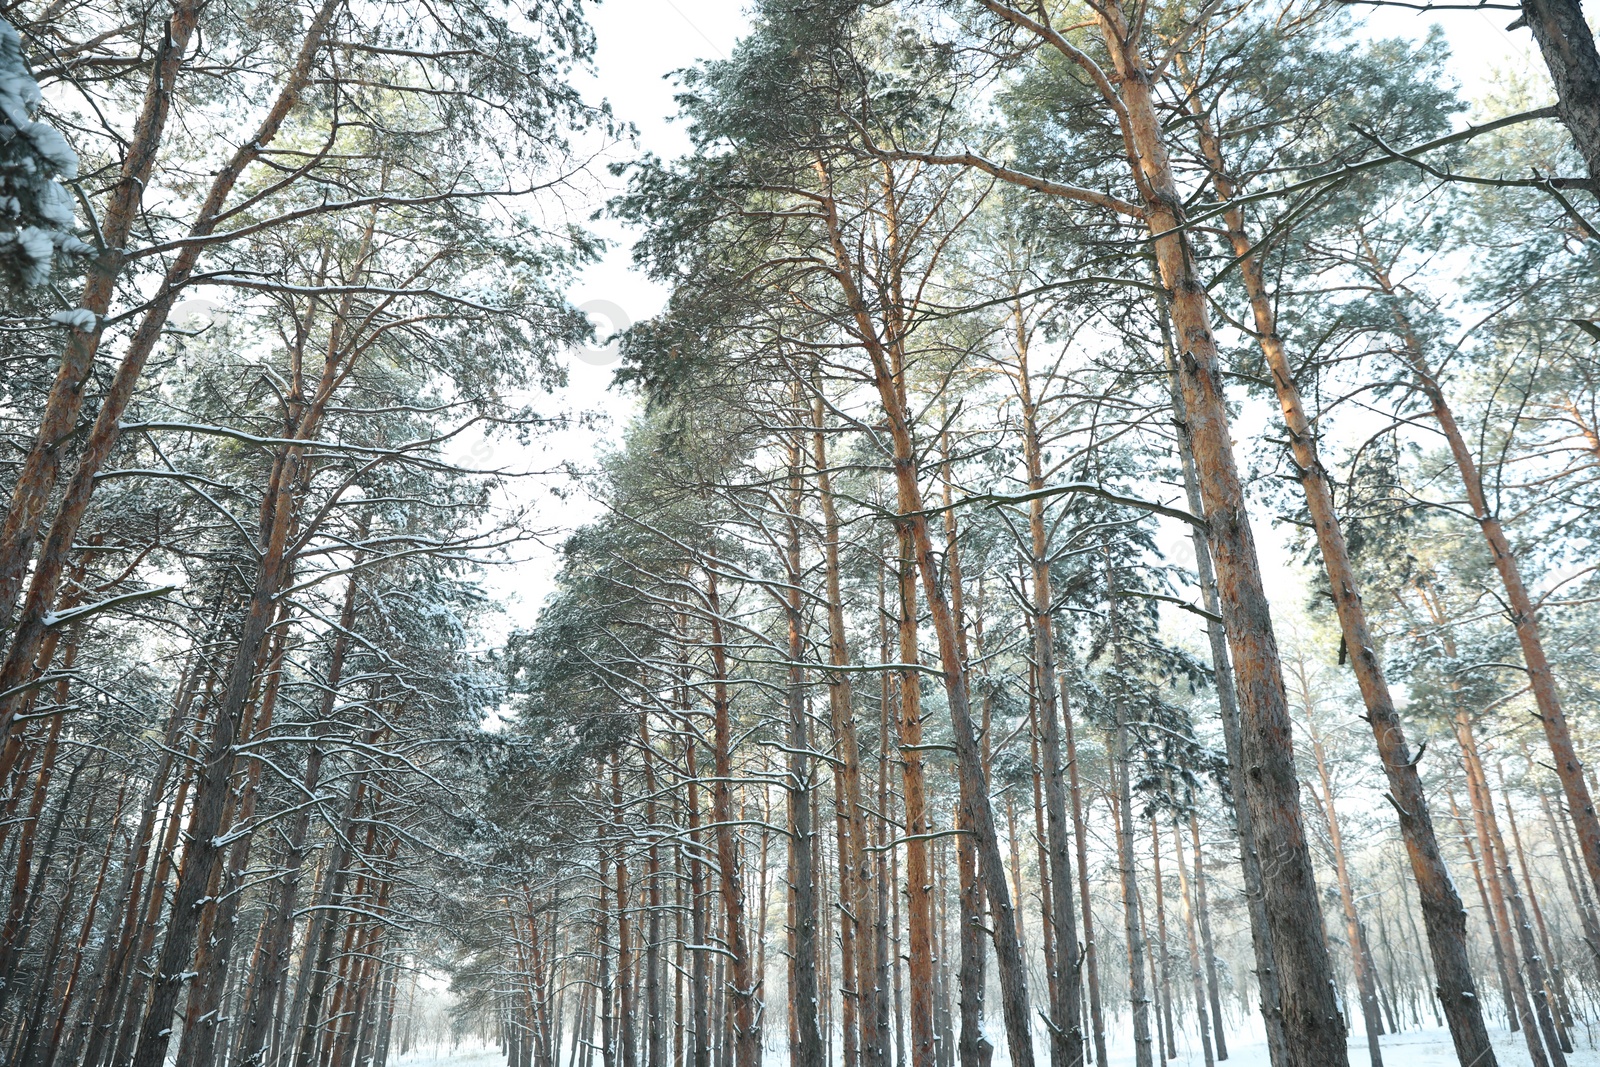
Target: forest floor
[
  {"x": 1428, "y": 1047},
  {"x": 1415, "y": 1048}
]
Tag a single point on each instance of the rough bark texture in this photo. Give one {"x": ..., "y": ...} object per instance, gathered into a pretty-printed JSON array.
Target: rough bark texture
[
  {"x": 1313, "y": 1026},
  {"x": 803, "y": 1001},
  {"x": 1444, "y": 917},
  {"x": 1197, "y": 982},
  {"x": 1091, "y": 957},
  {"x": 1066, "y": 1029},
  {"x": 1483, "y": 819},
  {"x": 31, "y": 623},
  {"x": 857, "y": 925},
  {"x": 1524, "y": 614},
  {"x": 743, "y": 1018},
  {"x": 274, "y": 944},
  {"x": 1228, "y": 707},
  {"x": 1564, "y": 40},
  {"x": 978, "y": 812},
  {"x": 1366, "y": 983},
  {"x": 918, "y": 878},
  {"x": 42, "y": 466},
  {"x": 204, "y": 846},
  {"x": 972, "y": 1048}
]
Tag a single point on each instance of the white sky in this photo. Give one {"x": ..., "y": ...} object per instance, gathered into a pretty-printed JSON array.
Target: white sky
[{"x": 640, "y": 43}]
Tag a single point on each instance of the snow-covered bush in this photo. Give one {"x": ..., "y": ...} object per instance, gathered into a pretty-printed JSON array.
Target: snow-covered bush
[{"x": 35, "y": 211}]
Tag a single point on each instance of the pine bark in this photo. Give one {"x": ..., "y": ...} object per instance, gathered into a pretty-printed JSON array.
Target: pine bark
[
  {"x": 1314, "y": 1028},
  {"x": 1066, "y": 1029},
  {"x": 1483, "y": 820},
  {"x": 41, "y": 469},
  {"x": 1132, "y": 924},
  {"x": 1161, "y": 935},
  {"x": 804, "y": 1000},
  {"x": 743, "y": 1019},
  {"x": 1443, "y": 913},
  {"x": 1206, "y": 944},
  {"x": 889, "y": 378},
  {"x": 856, "y": 925},
  {"x": 1567, "y": 45},
  {"x": 918, "y": 877},
  {"x": 1233, "y": 743},
  {"x": 1091, "y": 956},
  {"x": 1524, "y": 613},
  {"x": 1366, "y": 984},
  {"x": 32, "y": 622},
  {"x": 1197, "y": 982},
  {"x": 270, "y": 965}
]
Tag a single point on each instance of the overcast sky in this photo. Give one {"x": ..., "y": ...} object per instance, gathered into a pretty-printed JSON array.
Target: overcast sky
[{"x": 640, "y": 44}]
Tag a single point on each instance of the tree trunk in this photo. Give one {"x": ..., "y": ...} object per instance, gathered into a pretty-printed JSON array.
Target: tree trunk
[
  {"x": 608, "y": 1041},
  {"x": 626, "y": 1008},
  {"x": 918, "y": 880},
  {"x": 12, "y": 931},
  {"x": 1313, "y": 1028},
  {"x": 1205, "y": 936},
  {"x": 700, "y": 902},
  {"x": 1132, "y": 925},
  {"x": 1161, "y": 934},
  {"x": 40, "y": 470},
  {"x": 974, "y": 1049},
  {"x": 203, "y": 1017},
  {"x": 1443, "y": 914},
  {"x": 271, "y": 963},
  {"x": 744, "y": 992},
  {"x": 1538, "y": 984},
  {"x": 1563, "y": 1015},
  {"x": 204, "y": 846},
  {"x": 1366, "y": 984},
  {"x": 1097, "y": 1022},
  {"x": 889, "y": 377},
  {"x": 856, "y": 925},
  {"x": 1582, "y": 902},
  {"x": 804, "y": 999},
  {"x": 299, "y": 1024},
  {"x": 35, "y": 1054},
  {"x": 138, "y": 935},
  {"x": 1047, "y": 926},
  {"x": 1496, "y": 941},
  {"x": 1483, "y": 819},
  {"x": 31, "y": 624},
  {"x": 1197, "y": 981},
  {"x": 1228, "y": 706},
  {"x": 1066, "y": 1030},
  {"x": 1562, "y": 33},
  {"x": 655, "y": 1012},
  {"x": 1524, "y": 614}
]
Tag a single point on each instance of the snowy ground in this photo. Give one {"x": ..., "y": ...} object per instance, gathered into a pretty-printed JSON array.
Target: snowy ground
[
  {"x": 445, "y": 1056},
  {"x": 1414, "y": 1048}
]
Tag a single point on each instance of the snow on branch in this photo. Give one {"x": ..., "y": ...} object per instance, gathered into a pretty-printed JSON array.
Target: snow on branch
[
  {"x": 35, "y": 211},
  {"x": 1071, "y": 488},
  {"x": 68, "y": 616}
]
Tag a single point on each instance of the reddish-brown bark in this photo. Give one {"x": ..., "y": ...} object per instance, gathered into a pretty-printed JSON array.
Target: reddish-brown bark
[{"x": 743, "y": 991}]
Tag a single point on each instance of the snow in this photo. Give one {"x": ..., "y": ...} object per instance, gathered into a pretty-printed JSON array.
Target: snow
[
  {"x": 78, "y": 319},
  {"x": 1429, "y": 1047},
  {"x": 430, "y": 1055},
  {"x": 35, "y": 211}
]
